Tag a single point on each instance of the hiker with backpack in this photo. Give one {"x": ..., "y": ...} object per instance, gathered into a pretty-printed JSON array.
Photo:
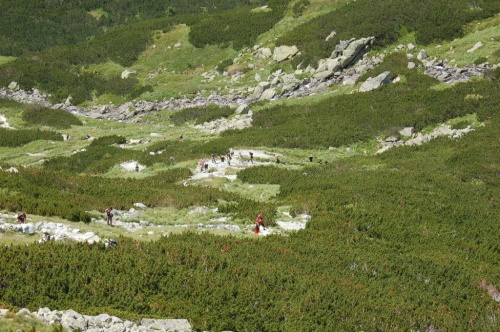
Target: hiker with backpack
[
  {"x": 109, "y": 216},
  {"x": 251, "y": 158}
]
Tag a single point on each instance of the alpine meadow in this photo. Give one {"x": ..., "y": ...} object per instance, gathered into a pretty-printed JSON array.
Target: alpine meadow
[{"x": 249, "y": 165}]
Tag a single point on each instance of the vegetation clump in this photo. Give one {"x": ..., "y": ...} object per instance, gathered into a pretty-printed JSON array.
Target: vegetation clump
[{"x": 42, "y": 116}]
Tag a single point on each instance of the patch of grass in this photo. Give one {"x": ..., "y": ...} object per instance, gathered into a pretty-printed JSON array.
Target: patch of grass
[
  {"x": 486, "y": 31},
  {"x": 6, "y": 59},
  {"x": 98, "y": 13},
  {"x": 108, "y": 69}
]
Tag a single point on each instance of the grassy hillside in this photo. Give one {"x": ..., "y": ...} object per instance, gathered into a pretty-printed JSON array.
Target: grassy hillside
[{"x": 406, "y": 239}]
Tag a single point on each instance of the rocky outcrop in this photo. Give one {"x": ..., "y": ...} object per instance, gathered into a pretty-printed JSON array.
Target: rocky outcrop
[
  {"x": 444, "y": 73},
  {"x": 373, "y": 83},
  {"x": 239, "y": 121},
  {"x": 419, "y": 138},
  {"x": 344, "y": 55},
  {"x": 73, "y": 320},
  {"x": 282, "y": 53}
]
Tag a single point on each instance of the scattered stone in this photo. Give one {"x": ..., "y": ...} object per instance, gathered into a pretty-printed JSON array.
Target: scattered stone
[
  {"x": 128, "y": 73},
  {"x": 411, "y": 65},
  {"x": 410, "y": 46},
  {"x": 242, "y": 109},
  {"x": 422, "y": 55},
  {"x": 373, "y": 83},
  {"x": 268, "y": 94},
  {"x": 407, "y": 131},
  {"x": 282, "y": 53},
  {"x": 13, "y": 86},
  {"x": 475, "y": 47}
]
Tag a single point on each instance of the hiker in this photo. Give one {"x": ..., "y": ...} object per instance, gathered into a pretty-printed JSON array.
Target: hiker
[
  {"x": 222, "y": 159},
  {"x": 137, "y": 167},
  {"x": 109, "y": 216},
  {"x": 231, "y": 151},
  {"x": 181, "y": 136},
  {"x": 256, "y": 229},
  {"x": 206, "y": 167},
  {"x": 260, "y": 221},
  {"x": 277, "y": 159},
  {"x": 21, "y": 218},
  {"x": 46, "y": 237},
  {"x": 251, "y": 158},
  {"x": 241, "y": 159},
  {"x": 228, "y": 156},
  {"x": 201, "y": 164},
  {"x": 311, "y": 159},
  {"x": 213, "y": 157}
]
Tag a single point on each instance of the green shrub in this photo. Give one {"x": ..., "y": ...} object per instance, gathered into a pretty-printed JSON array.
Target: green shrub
[
  {"x": 200, "y": 114},
  {"x": 13, "y": 138},
  {"x": 38, "y": 115},
  {"x": 224, "y": 64}
]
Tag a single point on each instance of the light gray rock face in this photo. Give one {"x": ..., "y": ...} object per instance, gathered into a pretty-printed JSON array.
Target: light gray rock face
[
  {"x": 168, "y": 325},
  {"x": 242, "y": 109},
  {"x": 72, "y": 321},
  {"x": 407, "y": 131},
  {"x": 282, "y": 53},
  {"x": 373, "y": 83},
  {"x": 13, "y": 86},
  {"x": 475, "y": 47},
  {"x": 128, "y": 73},
  {"x": 344, "y": 55},
  {"x": 411, "y": 65},
  {"x": 268, "y": 94},
  {"x": 422, "y": 55}
]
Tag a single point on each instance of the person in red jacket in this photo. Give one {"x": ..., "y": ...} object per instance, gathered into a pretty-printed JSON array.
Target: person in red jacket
[{"x": 260, "y": 221}]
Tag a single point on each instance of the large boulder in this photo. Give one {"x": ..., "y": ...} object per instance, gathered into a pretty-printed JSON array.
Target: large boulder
[
  {"x": 13, "y": 86},
  {"x": 282, "y": 53},
  {"x": 373, "y": 83},
  {"x": 422, "y": 55},
  {"x": 128, "y": 73},
  {"x": 268, "y": 94},
  {"x": 72, "y": 320}
]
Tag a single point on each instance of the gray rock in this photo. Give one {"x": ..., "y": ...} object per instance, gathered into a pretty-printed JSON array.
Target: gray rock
[
  {"x": 422, "y": 55},
  {"x": 168, "y": 325},
  {"x": 407, "y": 131},
  {"x": 410, "y": 46},
  {"x": 282, "y": 53},
  {"x": 475, "y": 47},
  {"x": 23, "y": 311},
  {"x": 373, "y": 83},
  {"x": 268, "y": 94},
  {"x": 140, "y": 205},
  {"x": 258, "y": 77},
  {"x": 13, "y": 86},
  {"x": 242, "y": 109},
  {"x": 3, "y": 312},
  {"x": 266, "y": 52},
  {"x": 411, "y": 65},
  {"x": 72, "y": 320},
  {"x": 128, "y": 73}
]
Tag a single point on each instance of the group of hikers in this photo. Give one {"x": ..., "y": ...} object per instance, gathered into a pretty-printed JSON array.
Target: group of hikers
[{"x": 228, "y": 157}]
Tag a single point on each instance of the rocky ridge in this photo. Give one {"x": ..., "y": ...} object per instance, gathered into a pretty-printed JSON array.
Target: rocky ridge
[{"x": 346, "y": 64}]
